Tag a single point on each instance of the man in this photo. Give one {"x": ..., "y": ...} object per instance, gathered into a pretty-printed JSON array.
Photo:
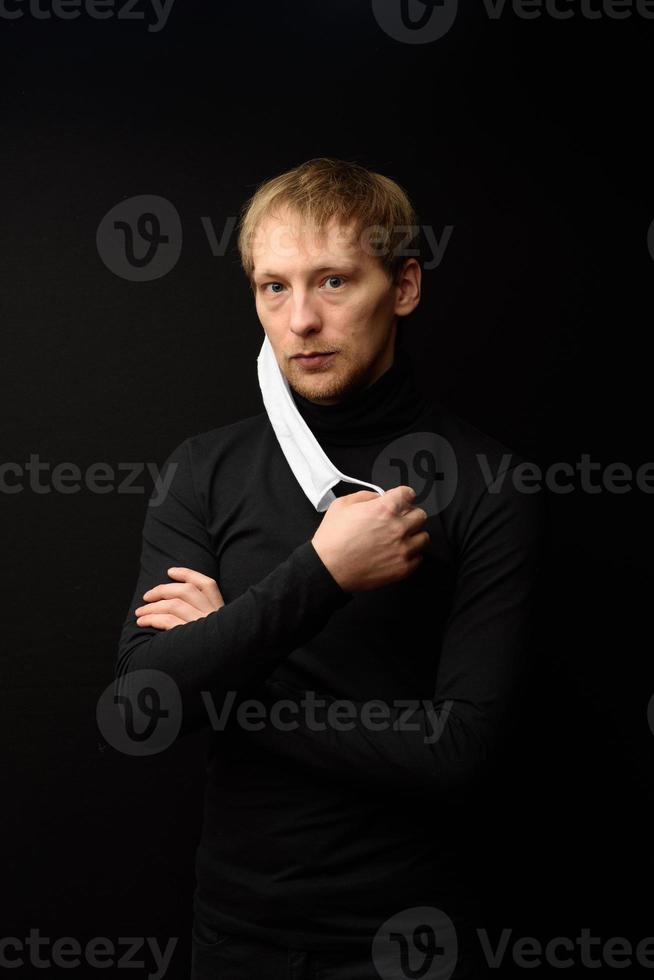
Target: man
[{"x": 389, "y": 633}]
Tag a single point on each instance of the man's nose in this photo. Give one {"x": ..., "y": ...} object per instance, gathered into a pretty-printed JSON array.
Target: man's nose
[{"x": 304, "y": 315}]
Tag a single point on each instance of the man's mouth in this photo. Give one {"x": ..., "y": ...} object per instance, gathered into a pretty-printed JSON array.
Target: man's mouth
[{"x": 313, "y": 359}]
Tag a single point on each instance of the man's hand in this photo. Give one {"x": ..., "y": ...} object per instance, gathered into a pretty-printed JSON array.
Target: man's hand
[
  {"x": 367, "y": 541},
  {"x": 192, "y": 596}
]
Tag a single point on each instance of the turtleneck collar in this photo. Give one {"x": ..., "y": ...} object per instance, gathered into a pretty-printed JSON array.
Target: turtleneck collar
[{"x": 388, "y": 407}]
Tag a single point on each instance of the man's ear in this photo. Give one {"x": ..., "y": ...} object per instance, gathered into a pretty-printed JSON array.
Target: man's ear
[{"x": 407, "y": 288}]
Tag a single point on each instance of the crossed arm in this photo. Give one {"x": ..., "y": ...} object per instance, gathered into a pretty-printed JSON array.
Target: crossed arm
[
  {"x": 185, "y": 629},
  {"x": 441, "y": 743}
]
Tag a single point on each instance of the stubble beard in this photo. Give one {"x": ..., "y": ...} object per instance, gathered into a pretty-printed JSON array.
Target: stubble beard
[{"x": 339, "y": 383}]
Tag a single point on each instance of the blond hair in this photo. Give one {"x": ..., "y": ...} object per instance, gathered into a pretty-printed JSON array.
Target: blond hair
[{"x": 324, "y": 187}]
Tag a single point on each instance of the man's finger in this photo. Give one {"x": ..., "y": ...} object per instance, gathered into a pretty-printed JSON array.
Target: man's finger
[
  {"x": 181, "y": 590},
  {"x": 160, "y": 622},
  {"x": 176, "y": 607},
  {"x": 203, "y": 582}
]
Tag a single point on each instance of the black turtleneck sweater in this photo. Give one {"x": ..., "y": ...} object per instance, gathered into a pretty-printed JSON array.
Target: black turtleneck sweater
[{"x": 318, "y": 830}]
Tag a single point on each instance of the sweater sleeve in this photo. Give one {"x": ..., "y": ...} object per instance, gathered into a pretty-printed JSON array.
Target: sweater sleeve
[
  {"x": 439, "y": 744},
  {"x": 241, "y": 643}
]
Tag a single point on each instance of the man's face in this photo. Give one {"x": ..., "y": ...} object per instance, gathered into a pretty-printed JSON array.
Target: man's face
[{"x": 327, "y": 294}]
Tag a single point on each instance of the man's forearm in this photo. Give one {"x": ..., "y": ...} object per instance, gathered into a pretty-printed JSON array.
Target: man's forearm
[
  {"x": 430, "y": 746},
  {"x": 240, "y": 644}
]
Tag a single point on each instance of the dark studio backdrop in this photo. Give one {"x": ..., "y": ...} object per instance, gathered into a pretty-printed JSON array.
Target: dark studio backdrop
[{"x": 529, "y": 140}]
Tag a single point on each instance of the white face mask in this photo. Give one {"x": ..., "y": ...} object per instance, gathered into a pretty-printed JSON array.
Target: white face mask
[{"x": 315, "y": 473}]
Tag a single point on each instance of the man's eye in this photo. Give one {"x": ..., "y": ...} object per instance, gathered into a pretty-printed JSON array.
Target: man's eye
[
  {"x": 272, "y": 284},
  {"x": 331, "y": 279}
]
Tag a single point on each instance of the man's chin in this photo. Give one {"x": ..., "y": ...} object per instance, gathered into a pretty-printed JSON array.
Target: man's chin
[
  {"x": 318, "y": 388},
  {"x": 324, "y": 393},
  {"x": 316, "y": 393}
]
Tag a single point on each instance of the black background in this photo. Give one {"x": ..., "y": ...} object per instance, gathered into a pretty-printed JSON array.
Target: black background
[{"x": 532, "y": 139}]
